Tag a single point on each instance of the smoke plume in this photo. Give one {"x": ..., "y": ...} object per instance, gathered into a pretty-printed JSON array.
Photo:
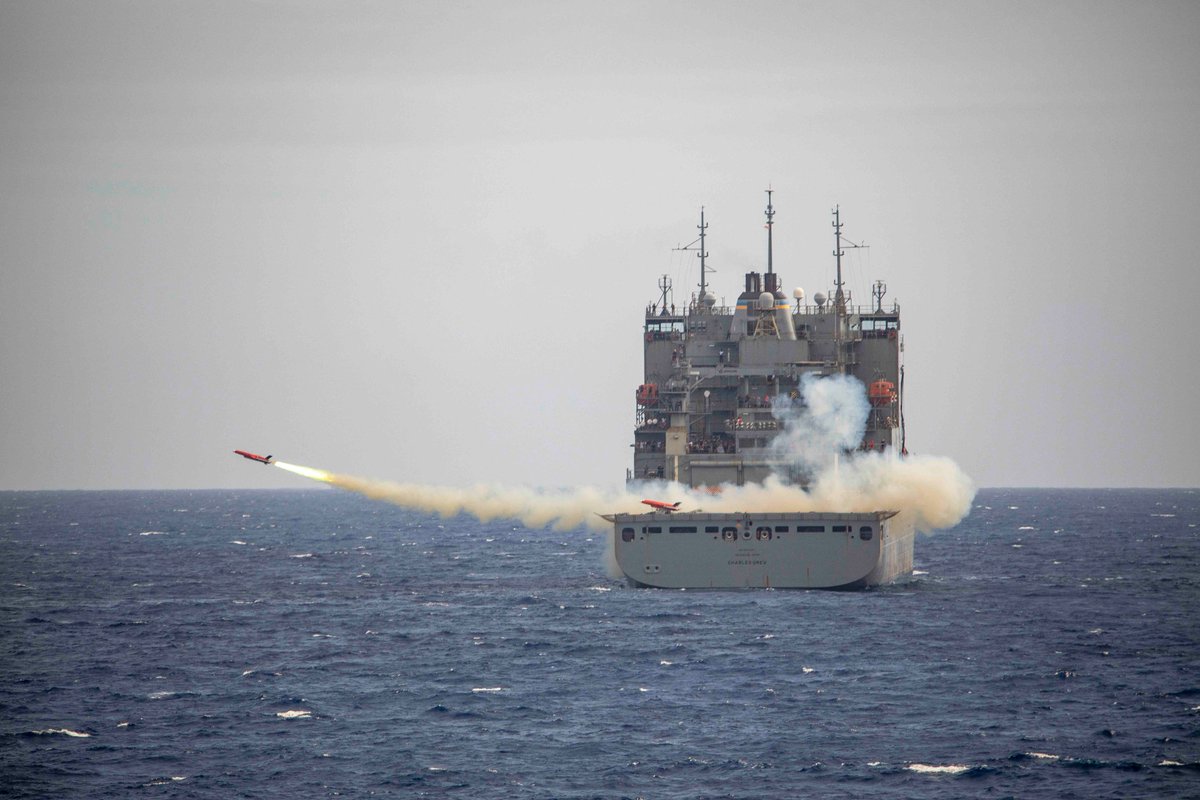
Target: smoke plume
[
  {"x": 562, "y": 509},
  {"x": 818, "y": 428},
  {"x": 828, "y": 418}
]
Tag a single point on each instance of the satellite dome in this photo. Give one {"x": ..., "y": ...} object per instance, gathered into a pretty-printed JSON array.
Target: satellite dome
[
  {"x": 798, "y": 293},
  {"x": 766, "y": 301},
  {"x": 710, "y": 299},
  {"x": 819, "y": 298}
]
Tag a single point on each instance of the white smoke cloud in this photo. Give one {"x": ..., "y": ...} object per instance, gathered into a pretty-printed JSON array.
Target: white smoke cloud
[
  {"x": 818, "y": 443},
  {"x": 828, "y": 417}
]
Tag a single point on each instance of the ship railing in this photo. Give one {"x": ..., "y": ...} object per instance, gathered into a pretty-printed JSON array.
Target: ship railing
[
  {"x": 809, "y": 308},
  {"x": 696, "y": 312},
  {"x": 862, "y": 311},
  {"x": 741, "y": 424}
]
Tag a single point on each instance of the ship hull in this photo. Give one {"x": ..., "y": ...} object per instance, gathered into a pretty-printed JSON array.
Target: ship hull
[{"x": 811, "y": 550}]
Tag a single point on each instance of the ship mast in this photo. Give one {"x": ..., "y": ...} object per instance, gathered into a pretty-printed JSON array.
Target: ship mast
[
  {"x": 770, "y": 225},
  {"x": 839, "y": 297},
  {"x": 698, "y": 304}
]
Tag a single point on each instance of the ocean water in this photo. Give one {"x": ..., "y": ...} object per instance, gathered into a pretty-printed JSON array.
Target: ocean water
[{"x": 317, "y": 644}]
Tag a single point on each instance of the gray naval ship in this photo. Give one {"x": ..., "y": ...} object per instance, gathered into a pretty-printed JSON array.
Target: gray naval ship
[{"x": 704, "y": 418}]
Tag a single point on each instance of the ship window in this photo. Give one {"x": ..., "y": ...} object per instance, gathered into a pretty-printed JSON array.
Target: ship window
[
  {"x": 683, "y": 529},
  {"x": 781, "y": 528},
  {"x": 729, "y": 534},
  {"x": 841, "y": 528},
  {"x": 654, "y": 529},
  {"x": 865, "y": 533},
  {"x": 711, "y": 529},
  {"x": 627, "y": 535},
  {"x": 810, "y": 529}
]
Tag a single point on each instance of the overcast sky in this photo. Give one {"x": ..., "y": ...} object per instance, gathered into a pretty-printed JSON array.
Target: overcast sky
[{"x": 413, "y": 240}]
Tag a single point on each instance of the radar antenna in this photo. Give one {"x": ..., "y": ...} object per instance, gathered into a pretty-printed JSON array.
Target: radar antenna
[
  {"x": 878, "y": 291},
  {"x": 664, "y": 285}
]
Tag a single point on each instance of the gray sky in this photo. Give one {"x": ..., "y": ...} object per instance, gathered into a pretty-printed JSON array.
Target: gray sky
[{"x": 414, "y": 240}]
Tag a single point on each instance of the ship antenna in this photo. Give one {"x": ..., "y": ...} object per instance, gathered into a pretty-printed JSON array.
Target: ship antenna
[
  {"x": 702, "y": 255},
  {"x": 839, "y": 295},
  {"x": 839, "y": 298},
  {"x": 770, "y": 224}
]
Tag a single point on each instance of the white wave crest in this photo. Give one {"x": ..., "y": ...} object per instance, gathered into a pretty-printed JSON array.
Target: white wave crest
[
  {"x": 938, "y": 769},
  {"x": 62, "y": 732}
]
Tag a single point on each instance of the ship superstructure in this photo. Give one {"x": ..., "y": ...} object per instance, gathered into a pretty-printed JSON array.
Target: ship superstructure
[
  {"x": 712, "y": 373},
  {"x": 707, "y": 412}
]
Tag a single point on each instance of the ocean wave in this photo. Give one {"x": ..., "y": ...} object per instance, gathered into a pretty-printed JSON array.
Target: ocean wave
[
  {"x": 1033, "y": 755},
  {"x": 61, "y": 732},
  {"x": 938, "y": 769},
  {"x": 295, "y": 713}
]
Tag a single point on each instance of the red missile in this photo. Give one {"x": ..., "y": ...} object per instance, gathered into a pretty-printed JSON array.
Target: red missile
[
  {"x": 253, "y": 456},
  {"x": 659, "y": 505}
]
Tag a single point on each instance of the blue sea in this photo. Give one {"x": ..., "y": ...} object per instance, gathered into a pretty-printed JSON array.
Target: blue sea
[{"x": 264, "y": 644}]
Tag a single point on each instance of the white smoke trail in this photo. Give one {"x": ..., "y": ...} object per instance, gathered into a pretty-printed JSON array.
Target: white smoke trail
[
  {"x": 930, "y": 491},
  {"x": 561, "y": 509}
]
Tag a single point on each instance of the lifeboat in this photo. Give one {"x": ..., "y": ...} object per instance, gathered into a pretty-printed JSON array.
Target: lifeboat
[
  {"x": 881, "y": 393},
  {"x": 647, "y": 394}
]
